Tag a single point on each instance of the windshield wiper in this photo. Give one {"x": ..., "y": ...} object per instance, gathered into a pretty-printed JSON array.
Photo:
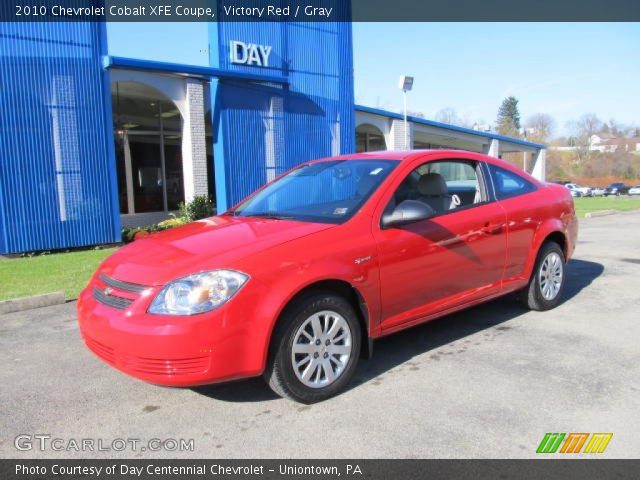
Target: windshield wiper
[{"x": 275, "y": 216}]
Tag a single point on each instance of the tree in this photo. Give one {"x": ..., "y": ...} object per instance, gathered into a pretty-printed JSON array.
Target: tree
[
  {"x": 447, "y": 115},
  {"x": 588, "y": 124},
  {"x": 541, "y": 126},
  {"x": 508, "y": 121}
]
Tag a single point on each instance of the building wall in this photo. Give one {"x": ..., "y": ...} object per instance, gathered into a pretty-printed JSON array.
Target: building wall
[
  {"x": 263, "y": 129},
  {"x": 57, "y": 178}
]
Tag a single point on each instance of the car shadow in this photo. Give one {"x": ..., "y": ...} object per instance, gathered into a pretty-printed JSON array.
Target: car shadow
[{"x": 399, "y": 348}]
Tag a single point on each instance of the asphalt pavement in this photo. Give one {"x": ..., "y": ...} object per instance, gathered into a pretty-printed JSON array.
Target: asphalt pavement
[{"x": 488, "y": 382}]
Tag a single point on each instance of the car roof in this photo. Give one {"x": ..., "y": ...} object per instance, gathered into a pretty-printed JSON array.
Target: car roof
[{"x": 406, "y": 155}]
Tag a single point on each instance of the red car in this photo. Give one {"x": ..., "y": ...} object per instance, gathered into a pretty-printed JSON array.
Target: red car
[{"x": 295, "y": 282}]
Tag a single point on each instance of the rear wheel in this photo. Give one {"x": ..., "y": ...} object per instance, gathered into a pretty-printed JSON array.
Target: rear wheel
[
  {"x": 315, "y": 348},
  {"x": 547, "y": 280}
]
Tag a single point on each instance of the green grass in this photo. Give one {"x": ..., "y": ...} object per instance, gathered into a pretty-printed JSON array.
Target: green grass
[
  {"x": 594, "y": 204},
  {"x": 70, "y": 272}
]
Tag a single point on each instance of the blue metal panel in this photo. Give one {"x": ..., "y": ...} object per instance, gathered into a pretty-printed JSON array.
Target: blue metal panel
[
  {"x": 264, "y": 128},
  {"x": 56, "y": 174}
]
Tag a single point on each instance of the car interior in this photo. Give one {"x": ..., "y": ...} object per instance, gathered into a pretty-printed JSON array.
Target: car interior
[{"x": 443, "y": 186}]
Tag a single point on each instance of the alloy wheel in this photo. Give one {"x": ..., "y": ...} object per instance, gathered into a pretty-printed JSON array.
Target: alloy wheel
[
  {"x": 321, "y": 349},
  {"x": 550, "y": 276}
]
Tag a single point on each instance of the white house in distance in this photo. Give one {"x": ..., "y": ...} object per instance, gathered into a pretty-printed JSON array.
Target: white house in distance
[{"x": 607, "y": 143}]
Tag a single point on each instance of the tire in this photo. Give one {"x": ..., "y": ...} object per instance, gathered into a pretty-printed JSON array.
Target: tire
[
  {"x": 535, "y": 296},
  {"x": 333, "y": 318}
]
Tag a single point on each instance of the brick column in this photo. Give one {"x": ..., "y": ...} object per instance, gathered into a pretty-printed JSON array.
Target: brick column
[
  {"x": 194, "y": 150},
  {"x": 398, "y": 135}
]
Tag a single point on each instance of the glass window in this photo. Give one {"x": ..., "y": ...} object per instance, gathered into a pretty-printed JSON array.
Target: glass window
[
  {"x": 369, "y": 138},
  {"x": 173, "y": 170},
  {"x": 442, "y": 185},
  {"x": 328, "y": 192},
  {"x": 508, "y": 184},
  {"x": 148, "y": 137},
  {"x": 146, "y": 166}
]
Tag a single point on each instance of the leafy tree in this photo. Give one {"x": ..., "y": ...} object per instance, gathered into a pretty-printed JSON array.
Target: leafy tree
[{"x": 508, "y": 121}]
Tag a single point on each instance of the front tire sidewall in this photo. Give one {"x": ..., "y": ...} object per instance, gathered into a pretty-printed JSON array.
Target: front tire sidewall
[
  {"x": 282, "y": 368},
  {"x": 535, "y": 298}
]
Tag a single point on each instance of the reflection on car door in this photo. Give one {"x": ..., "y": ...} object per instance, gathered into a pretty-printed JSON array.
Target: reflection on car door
[{"x": 447, "y": 260}]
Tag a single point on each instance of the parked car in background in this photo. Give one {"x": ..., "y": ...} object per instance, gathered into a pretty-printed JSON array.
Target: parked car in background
[
  {"x": 616, "y": 188},
  {"x": 584, "y": 191},
  {"x": 295, "y": 282},
  {"x": 597, "y": 191},
  {"x": 635, "y": 190}
]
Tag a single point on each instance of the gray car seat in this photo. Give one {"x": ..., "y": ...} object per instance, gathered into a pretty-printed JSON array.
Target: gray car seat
[{"x": 434, "y": 192}]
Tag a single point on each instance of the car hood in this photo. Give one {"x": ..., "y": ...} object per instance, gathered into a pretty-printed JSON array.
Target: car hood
[{"x": 215, "y": 242}]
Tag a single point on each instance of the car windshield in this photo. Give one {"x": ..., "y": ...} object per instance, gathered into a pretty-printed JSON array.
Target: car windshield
[{"x": 325, "y": 192}]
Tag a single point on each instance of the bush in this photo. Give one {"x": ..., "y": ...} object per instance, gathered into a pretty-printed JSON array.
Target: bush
[
  {"x": 200, "y": 207},
  {"x": 172, "y": 222}
]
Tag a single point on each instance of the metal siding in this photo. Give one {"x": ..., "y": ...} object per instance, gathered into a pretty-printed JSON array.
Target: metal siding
[
  {"x": 264, "y": 128},
  {"x": 56, "y": 174}
]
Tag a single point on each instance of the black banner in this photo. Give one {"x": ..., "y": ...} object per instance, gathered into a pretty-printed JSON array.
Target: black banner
[
  {"x": 320, "y": 469},
  {"x": 320, "y": 10}
]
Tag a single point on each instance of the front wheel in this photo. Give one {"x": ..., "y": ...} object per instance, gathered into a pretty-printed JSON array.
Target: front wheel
[
  {"x": 547, "y": 280},
  {"x": 315, "y": 349}
]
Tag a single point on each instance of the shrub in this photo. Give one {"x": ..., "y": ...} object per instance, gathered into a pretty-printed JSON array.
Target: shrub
[
  {"x": 172, "y": 222},
  {"x": 200, "y": 207}
]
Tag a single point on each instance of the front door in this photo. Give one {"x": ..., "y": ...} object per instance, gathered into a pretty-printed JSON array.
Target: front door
[{"x": 454, "y": 257}]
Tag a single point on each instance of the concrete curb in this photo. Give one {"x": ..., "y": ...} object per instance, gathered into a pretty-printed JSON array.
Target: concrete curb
[
  {"x": 27, "y": 303},
  {"x": 600, "y": 213}
]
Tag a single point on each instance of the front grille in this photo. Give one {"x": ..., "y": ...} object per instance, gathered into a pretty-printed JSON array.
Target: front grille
[
  {"x": 124, "y": 286},
  {"x": 111, "y": 300}
]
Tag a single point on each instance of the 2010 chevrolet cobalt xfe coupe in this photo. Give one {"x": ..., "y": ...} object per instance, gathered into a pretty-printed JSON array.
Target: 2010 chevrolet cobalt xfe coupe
[{"x": 295, "y": 282}]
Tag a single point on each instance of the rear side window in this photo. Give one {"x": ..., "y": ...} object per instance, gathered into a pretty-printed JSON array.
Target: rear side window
[{"x": 508, "y": 184}]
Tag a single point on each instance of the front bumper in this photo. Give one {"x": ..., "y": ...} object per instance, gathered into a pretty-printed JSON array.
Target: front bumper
[{"x": 225, "y": 344}]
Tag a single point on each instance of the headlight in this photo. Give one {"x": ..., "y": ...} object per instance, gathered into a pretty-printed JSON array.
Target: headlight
[{"x": 198, "y": 293}]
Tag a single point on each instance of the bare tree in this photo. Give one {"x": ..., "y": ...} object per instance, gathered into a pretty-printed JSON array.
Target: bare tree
[
  {"x": 448, "y": 115},
  {"x": 588, "y": 124},
  {"x": 541, "y": 126}
]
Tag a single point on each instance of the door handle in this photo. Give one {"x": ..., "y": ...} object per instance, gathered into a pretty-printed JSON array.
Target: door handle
[{"x": 491, "y": 229}]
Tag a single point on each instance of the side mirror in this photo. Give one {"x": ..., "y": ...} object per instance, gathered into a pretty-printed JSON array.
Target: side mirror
[{"x": 406, "y": 212}]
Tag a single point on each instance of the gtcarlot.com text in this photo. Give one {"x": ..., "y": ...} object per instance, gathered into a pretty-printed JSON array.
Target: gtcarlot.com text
[{"x": 46, "y": 442}]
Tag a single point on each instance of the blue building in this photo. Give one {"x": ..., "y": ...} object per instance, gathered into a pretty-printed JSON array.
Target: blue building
[{"x": 91, "y": 141}]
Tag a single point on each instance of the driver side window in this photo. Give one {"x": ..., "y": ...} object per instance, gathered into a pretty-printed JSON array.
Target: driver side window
[{"x": 443, "y": 185}]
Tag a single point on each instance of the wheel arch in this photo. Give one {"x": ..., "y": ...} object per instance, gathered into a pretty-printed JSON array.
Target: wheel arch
[
  {"x": 551, "y": 233},
  {"x": 558, "y": 237},
  {"x": 342, "y": 288}
]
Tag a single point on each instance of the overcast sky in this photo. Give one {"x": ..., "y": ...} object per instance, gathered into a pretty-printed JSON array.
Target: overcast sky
[{"x": 563, "y": 69}]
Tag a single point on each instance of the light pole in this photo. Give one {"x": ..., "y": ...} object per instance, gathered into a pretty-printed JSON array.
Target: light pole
[{"x": 405, "y": 84}]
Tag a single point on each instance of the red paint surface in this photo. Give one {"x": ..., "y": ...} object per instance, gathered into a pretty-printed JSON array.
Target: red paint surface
[{"x": 415, "y": 273}]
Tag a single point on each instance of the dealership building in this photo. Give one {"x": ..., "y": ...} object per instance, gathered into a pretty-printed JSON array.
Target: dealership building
[{"x": 91, "y": 141}]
